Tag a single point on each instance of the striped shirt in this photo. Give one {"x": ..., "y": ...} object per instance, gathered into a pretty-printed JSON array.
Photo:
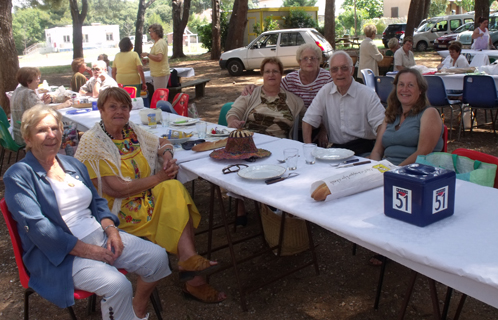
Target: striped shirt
[{"x": 307, "y": 92}]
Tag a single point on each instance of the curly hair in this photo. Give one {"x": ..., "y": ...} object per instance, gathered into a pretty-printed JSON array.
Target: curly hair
[
  {"x": 116, "y": 93},
  {"x": 394, "y": 107},
  {"x": 309, "y": 46},
  {"x": 273, "y": 60},
  {"x": 157, "y": 29}
]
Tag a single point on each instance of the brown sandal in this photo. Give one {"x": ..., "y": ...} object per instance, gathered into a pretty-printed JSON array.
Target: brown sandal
[
  {"x": 197, "y": 263},
  {"x": 203, "y": 293}
]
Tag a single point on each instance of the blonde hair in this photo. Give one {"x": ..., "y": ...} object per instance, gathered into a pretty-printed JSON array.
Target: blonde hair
[
  {"x": 370, "y": 30},
  {"x": 393, "y": 43},
  {"x": 32, "y": 116},
  {"x": 309, "y": 46}
]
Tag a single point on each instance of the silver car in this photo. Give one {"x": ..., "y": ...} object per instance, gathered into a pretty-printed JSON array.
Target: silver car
[{"x": 465, "y": 38}]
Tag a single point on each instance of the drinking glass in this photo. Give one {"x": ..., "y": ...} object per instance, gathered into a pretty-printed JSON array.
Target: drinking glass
[
  {"x": 152, "y": 120},
  {"x": 201, "y": 128},
  {"x": 165, "y": 121},
  {"x": 308, "y": 150},
  {"x": 290, "y": 156}
]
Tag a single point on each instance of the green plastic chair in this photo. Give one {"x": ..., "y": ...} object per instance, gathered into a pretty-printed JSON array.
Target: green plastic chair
[
  {"x": 222, "y": 120},
  {"x": 3, "y": 118},
  {"x": 8, "y": 144}
]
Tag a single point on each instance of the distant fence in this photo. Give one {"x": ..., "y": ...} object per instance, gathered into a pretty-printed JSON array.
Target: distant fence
[{"x": 33, "y": 48}]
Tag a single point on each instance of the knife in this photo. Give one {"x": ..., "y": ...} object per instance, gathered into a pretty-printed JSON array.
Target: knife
[
  {"x": 353, "y": 164},
  {"x": 278, "y": 179}
]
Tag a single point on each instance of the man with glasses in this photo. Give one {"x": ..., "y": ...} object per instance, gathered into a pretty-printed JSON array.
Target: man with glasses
[
  {"x": 349, "y": 111},
  {"x": 404, "y": 58},
  {"x": 99, "y": 82}
]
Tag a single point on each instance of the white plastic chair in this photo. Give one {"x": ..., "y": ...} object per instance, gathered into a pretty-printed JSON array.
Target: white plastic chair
[
  {"x": 479, "y": 59},
  {"x": 368, "y": 78}
]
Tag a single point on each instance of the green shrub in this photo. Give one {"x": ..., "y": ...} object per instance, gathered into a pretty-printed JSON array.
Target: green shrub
[
  {"x": 299, "y": 18},
  {"x": 205, "y": 33},
  {"x": 269, "y": 24}
]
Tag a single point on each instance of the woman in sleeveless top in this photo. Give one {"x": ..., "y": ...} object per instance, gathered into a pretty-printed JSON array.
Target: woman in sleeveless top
[{"x": 482, "y": 40}]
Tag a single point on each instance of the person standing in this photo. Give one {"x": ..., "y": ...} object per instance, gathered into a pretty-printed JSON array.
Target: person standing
[
  {"x": 127, "y": 67},
  {"x": 158, "y": 57},
  {"x": 369, "y": 53},
  {"x": 482, "y": 40}
]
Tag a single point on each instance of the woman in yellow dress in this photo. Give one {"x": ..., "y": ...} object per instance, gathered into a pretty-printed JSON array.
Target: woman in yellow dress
[{"x": 121, "y": 159}]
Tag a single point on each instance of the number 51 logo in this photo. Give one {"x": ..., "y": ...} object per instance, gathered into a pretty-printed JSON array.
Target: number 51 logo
[
  {"x": 439, "y": 200},
  {"x": 402, "y": 199}
]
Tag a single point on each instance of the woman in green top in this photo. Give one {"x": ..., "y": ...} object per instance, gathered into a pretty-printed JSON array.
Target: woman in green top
[
  {"x": 158, "y": 57},
  {"x": 127, "y": 67}
]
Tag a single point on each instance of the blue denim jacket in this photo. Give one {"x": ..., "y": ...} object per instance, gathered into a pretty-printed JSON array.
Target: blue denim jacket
[{"x": 45, "y": 237}]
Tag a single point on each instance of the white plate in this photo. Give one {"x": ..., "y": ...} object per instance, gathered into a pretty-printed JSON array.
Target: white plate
[
  {"x": 187, "y": 123},
  {"x": 261, "y": 172},
  {"x": 333, "y": 153},
  {"x": 218, "y": 134}
]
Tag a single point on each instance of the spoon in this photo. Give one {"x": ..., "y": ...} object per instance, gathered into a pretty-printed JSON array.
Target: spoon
[{"x": 283, "y": 160}]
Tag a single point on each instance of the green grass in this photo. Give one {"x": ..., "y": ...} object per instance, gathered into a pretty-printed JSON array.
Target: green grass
[{"x": 56, "y": 69}]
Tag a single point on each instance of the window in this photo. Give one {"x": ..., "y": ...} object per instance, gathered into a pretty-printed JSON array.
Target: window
[
  {"x": 394, "y": 12},
  {"x": 268, "y": 41},
  {"x": 109, "y": 36},
  {"x": 85, "y": 38},
  {"x": 454, "y": 24},
  {"x": 67, "y": 39},
  {"x": 442, "y": 26},
  {"x": 291, "y": 39}
]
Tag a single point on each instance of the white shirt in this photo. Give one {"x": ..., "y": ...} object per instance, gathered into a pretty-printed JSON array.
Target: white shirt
[
  {"x": 73, "y": 199},
  {"x": 107, "y": 83},
  {"x": 357, "y": 114},
  {"x": 403, "y": 59},
  {"x": 461, "y": 62}
]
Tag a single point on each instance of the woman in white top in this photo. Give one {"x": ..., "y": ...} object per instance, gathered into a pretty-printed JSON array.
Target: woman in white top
[
  {"x": 454, "y": 60},
  {"x": 369, "y": 53},
  {"x": 482, "y": 40}
]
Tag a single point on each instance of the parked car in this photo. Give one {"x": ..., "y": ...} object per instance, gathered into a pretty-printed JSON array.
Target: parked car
[
  {"x": 442, "y": 43},
  {"x": 391, "y": 31},
  {"x": 433, "y": 28},
  {"x": 277, "y": 43}
]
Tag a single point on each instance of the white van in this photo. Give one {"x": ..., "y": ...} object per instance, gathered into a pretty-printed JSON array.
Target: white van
[{"x": 433, "y": 28}]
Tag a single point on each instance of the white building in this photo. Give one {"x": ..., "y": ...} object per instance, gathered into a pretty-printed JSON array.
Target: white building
[{"x": 95, "y": 36}]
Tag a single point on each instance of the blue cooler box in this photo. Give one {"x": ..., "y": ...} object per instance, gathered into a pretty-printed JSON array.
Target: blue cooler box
[{"x": 419, "y": 194}]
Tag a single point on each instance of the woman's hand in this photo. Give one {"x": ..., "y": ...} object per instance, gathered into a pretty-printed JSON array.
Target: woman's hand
[
  {"x": 248, "y": 90},
  {"x": 322, "y": 139},
  {"x": 170, "y": 169},
  {"x": 47, "y": 98},
  {"x": 90, "y": 251},
  {"x": 234, "y": 122},
  {"x": 144, "y": 87}
]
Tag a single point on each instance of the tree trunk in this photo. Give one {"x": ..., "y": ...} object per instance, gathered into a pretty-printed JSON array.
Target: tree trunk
[
  {"x": 329, "y": 28},
  {"x": 414, "y": 17},
  {"x": 179, "y": 23},
  {"x": 78, "y": 19},
  {"x": 425, "y": 13},
  {"x": 216, "y": 49},
  {"x": 481, "y": 8},
  {"x": 237, "y": 25},
  {"x": 10, "y": 62},
  {"x": 139, "y": 26}
]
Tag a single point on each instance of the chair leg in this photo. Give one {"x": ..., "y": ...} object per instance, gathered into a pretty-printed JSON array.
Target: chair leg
[
  {"x": 8, "y": 161},
  {"x": 156, "y": 303},
  {"x": 92, "y": 301},
  {"x": 27, "y": 293},
  {"x": 71, "y": 313}
]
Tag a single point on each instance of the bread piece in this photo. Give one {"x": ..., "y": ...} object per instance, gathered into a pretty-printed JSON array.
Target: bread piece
[
  {"x": 321, "y": 192},
  {"x": 205, "y": 146}
]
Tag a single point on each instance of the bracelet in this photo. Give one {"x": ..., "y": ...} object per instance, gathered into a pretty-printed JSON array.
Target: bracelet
[
  {"x": 164, "y": 145},
  {"x": 170, "y": 151},
  {"x": 109, "y": 226}
]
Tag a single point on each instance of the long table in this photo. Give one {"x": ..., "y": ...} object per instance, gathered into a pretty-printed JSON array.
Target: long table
[
  {"x": 489, "y": 53},
  {"x": 451, "y": 81},
  {"x": 459, "y": 251}
]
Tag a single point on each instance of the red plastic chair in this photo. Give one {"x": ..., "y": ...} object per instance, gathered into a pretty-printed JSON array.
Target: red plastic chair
[
  {"x": 180, "y": 104},
  {"x": 132, "y": 91},
  {"x": 24, "y": 277},
  {"x": 159, "y": 94},
  {"x": 476, "y": 155}
]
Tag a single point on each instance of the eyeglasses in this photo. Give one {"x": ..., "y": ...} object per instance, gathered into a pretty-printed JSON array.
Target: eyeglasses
[
  {"x": 343, "y": 69},
  {"x": 95, "y": 69},
  {"x": 188, "y": 145},
  {"x": 234, "y": 168},
  {"x": 309, "y": 59},
  {"x": 272, "y": 72}
]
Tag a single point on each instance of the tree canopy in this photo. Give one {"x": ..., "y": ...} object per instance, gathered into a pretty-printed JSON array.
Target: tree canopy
[
  {"x": 374, "y": 8},
  {"x": 299, "y": 3}
]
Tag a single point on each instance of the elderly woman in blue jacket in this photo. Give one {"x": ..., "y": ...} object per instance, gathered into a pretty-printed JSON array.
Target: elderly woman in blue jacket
[{"x": 70, "y": 238}]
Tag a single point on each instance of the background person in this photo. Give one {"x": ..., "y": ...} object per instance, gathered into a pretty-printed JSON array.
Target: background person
[
  {"x": 404, "y": 57},
  {"x": 26, "y": 97},
  {"x": 350, "y": 112},
  {"x": 482, "y": 40},
  {"x": 410, "y": 127},
  {"x": 105, "y": 58},
  {"x": 269, "y": 109},
  {"x": 121, "y": 160},
  {"x": 454, "y": 59},
  {"x": 70, "y": 238},
  {"x": 99, "y": 81},
  {"x": 369, "y": 53},
  {"x": 127, "y": 67},
  {"x": 79, "y": 66},
  {"x": 158, "y": 57},
  {"x": 393, "y": 46}
]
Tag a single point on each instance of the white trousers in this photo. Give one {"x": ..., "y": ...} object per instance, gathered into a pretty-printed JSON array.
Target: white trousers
[
  {"x": 139, "y": 256},
  {"x": 160, "y": 82}
]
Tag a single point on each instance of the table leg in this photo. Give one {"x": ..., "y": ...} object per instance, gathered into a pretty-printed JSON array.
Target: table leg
[
  {"x": 434, "y": 298},
  {"x": 408, "y": 295}
]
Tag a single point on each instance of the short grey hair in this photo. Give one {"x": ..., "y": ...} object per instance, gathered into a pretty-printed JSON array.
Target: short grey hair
[
  {"x": 101, "y": 64},
  {"x": 370, "y": 30},
  {"x": 393, "y": 43},
  {"x": 308, "y": 46},
  {"x": 344, "y": 53},
  {"x": 32, "y": 116}
]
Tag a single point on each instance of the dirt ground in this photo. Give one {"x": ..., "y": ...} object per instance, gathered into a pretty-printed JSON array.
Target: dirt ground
[{"x": 344, "y": 289}]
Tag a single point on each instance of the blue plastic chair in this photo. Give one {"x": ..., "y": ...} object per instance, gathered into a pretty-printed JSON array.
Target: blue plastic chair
[
  {"x": 165, "y": 106},
  {"x": 438, "y": 97},
  {"x": 383, "y": 87},
  {"x": 479, "y": 92},
  {"x": 368, "y": 78}
]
